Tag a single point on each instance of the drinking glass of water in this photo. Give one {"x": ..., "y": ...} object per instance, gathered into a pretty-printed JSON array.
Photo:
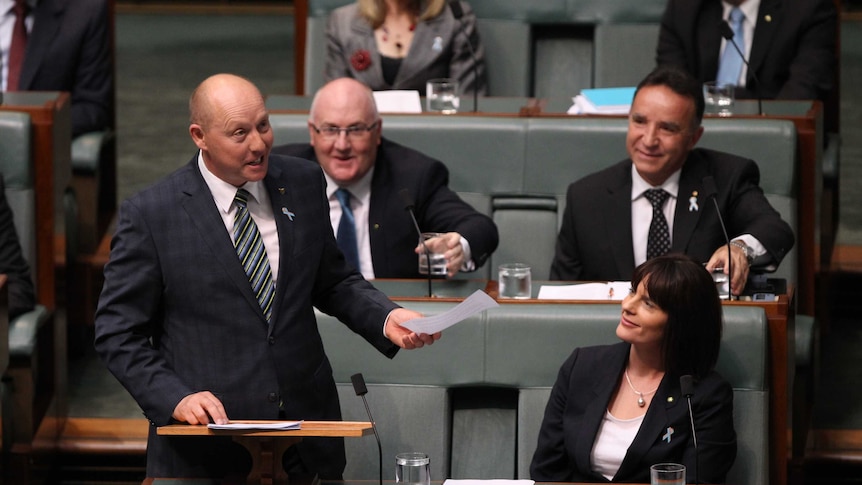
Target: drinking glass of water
[
  {"x": 441, "y": 95},
  {"x": 515, "y": 281}
]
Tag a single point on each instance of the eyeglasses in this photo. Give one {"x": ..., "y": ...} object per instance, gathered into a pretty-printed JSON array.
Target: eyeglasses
[{"x": 354, "y": 131}]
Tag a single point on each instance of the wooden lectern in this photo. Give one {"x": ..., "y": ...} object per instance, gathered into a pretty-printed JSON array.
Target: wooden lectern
[{"x": 267, "y": 446}]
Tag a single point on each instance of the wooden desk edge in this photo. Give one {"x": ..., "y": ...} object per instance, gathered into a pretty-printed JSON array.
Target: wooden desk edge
[{"x": 309, "y": 428}]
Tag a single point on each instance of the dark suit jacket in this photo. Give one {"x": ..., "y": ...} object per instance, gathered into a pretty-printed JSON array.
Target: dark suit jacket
[
  {"x": 438, "y": 209},
  {"x": 792, "y": 54},
  {"x": 69, "y": 50},
  {"x": 595, "y": 240},
  {"x": 175, "y": 278},
  {"x": 22, "y": 296},
  {"x": 428, "y": 57},
  {"x": 579, "y": 400}
]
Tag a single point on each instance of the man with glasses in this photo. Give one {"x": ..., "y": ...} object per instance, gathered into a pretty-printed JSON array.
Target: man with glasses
[
  {"x": 659, "y": 199},
  {"x": 368, "y": 174}
]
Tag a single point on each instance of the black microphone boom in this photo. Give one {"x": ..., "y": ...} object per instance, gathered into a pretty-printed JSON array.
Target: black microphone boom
[
  {"x": 361, "y": 390},
  {"x": 458, "y": 13},
  {"x": 408, "y": 206},
  {"x": 686, "y": 386},
  {"x": 711, "y": 192},
  {"x": 727, "y": 33}
]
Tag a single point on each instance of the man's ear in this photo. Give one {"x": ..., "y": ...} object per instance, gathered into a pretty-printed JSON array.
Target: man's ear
[{"x": 197, "y": 133}]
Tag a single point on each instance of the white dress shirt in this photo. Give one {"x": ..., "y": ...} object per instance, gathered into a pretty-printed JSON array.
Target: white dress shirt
[{"x": 259, "y": 207}]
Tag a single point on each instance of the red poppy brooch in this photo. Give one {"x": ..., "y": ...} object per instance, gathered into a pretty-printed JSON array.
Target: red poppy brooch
[{"x": 360, "y": 60}]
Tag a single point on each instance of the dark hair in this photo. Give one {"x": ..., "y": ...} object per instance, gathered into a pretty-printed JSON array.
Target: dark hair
[
  {"x": 684, "y": 290},
  {"x": 679, "y": 81}
]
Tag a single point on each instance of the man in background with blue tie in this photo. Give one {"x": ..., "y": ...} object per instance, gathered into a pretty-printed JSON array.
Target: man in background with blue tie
[
  {"x": 366, "y": 175},
  {"x": 206, "y": 313},
  {"x": 789, "y": 44}
]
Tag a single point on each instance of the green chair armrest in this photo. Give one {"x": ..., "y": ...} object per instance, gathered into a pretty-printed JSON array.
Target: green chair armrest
[{"x": 23, "y": 331}]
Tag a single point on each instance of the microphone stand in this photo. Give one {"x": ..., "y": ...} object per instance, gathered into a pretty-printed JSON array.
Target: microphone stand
[
  {"x": 727, "y": 33},
  {"x": 361, "y": 390},
  {"x": 408, "y": 206},
  {"x": 458, "y": 13}
]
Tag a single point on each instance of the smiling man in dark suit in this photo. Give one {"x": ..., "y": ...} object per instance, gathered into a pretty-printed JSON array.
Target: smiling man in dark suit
[
  {"x": 346, "y": 140},
  {"x": 207, "y": 312},
  {"x": 608, "y": 218},
  {"x": 790, "y": 44}
]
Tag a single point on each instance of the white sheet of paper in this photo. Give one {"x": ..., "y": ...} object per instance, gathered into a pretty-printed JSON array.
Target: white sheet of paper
[
  {"x": 612, "y": 291},
  {"x": 281, "y": 425},
  {"x": 471, "y": 305},
  {"x": 488, "y": 482},
  {"x": 398, "y": 101}
]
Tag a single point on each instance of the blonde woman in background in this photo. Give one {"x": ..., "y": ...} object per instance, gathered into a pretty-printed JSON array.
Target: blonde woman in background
[{"x": 401, "y": 44}]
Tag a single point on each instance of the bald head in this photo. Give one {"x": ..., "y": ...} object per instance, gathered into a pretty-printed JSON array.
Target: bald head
[
  {"x": 342, "y": 104},
  {"x": 341, "y": 94},
  {"x": 230, "y": 125},
  {"x": 217, "y": 92}
]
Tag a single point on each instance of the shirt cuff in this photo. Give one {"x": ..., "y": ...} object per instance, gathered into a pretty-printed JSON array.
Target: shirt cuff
[
  {"x": 468, "y": 264},
  {"x": 757, "y": 248}
]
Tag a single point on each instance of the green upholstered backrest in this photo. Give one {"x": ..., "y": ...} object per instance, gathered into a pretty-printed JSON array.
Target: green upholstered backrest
[
  {"x": 499, "y": 366},
  {"x": 17, "y": 169}
]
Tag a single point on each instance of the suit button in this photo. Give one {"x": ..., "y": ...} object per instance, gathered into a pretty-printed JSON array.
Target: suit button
[
  {"x": 271, "y": 340},
  {"x": 272, "y": 397}
]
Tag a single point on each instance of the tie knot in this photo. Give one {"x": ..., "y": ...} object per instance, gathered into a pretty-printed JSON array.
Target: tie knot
[
  {"x": 736, "y": 15},
  {"x": 241, "y": 198},
  {"x": 656, "y": 197},
  {"x": 343, "y": 196}
]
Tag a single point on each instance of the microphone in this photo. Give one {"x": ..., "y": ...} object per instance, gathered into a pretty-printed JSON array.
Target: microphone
[
  {"x": 711, "y": 192},
  {"x": 686, "y": 385},
  {"x": 727, "y": 33},
  {"x": 458, "y": 13},
  {"x": 408, "y": 206},
  {"x": 361, "y": 390}
]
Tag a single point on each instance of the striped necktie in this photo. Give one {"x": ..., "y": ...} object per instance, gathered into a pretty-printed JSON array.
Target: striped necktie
[{"x": 252, "y": 254}]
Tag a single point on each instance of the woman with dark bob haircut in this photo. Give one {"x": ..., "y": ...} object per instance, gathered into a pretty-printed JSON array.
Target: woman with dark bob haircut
[{"x": 615, "y": 410}]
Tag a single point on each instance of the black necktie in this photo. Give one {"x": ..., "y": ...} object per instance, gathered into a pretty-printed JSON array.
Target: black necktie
[
  {"x": 658, "y": 241},
  {"x": 346, "y": 237}
]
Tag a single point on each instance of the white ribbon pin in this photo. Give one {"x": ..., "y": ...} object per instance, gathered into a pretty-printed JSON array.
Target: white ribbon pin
[
  {"x": 692, "y": 202},
  {"x": 290, "y": 215},
  {"x": 438, "y": 44},
  {"x": 667, "y": 435}
]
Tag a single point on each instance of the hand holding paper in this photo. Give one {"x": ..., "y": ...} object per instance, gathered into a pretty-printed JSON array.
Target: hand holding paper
[{"x": 473, "y": 304}]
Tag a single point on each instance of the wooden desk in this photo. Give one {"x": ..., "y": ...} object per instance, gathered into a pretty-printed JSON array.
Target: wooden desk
[
  {"x": 267, "y": 447},
  {"x": 51, "y": 151}
]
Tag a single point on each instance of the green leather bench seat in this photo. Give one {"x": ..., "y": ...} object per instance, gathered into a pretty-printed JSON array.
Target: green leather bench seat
[
  {"x": 484, "y": 386},
  {"x": 509, "y": 167}
]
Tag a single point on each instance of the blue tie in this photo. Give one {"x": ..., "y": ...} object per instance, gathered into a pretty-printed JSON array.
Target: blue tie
[
  {"x": 731, "y": 62},
  {"x": 252, "y": 254},
  {"x": 346, "y": 236}
]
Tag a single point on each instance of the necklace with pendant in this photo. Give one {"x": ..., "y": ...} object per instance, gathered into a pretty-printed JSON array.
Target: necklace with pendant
[{"x": 641, "y": 401}]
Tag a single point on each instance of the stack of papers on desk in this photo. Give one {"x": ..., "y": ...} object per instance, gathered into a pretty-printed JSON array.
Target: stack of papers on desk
[
  {"x": 612, "y": 291},
  {"x": 607, "y": 101},
  {"x": 277, "y": 426}
]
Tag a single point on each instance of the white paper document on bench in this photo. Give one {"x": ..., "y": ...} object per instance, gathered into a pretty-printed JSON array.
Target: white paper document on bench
[
  {"x": 278, "y": 426},
  {"x": 473, "y": 304},
  {"x": 614, "y": 290}
]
